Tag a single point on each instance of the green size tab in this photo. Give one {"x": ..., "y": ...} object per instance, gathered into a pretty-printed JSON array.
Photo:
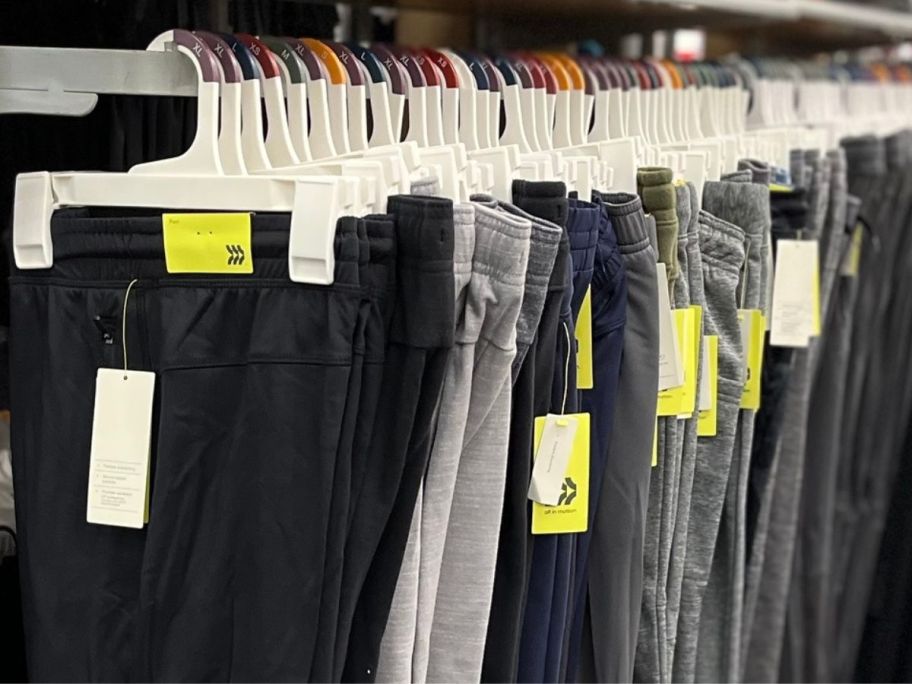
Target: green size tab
[{"x": 207, "y": 243}]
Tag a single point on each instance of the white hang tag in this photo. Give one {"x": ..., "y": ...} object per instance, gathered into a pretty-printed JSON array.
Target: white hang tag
[
  {"x": 793, "y": 293},
  {"x": 671, "y": 366},
  {"x": 121, "y": 439},
  {"x": 706, "y": 401},
  {"x": 552, "y": 458}
]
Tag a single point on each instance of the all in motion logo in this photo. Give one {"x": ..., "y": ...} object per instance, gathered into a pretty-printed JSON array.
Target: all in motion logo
[
  {"x": 568, "y": 492},
  {"x": 235, "y": 255}
]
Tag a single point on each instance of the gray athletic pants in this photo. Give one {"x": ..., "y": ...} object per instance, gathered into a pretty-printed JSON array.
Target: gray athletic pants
[
  {"x": 747, "y": 205},
  {"x": 722, "y": 252},
  {"x": 611, "y": 623}
]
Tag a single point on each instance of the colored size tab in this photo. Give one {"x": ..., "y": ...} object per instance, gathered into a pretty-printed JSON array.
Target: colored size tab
[
  {"x": 207, "y": 243},
  {"x": 571, "y": 514}
]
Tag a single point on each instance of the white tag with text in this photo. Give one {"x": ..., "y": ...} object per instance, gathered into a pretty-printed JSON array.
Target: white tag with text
[
  {"x": 671, "y": 365},
  {"x": 551, "y": 459},
  {"x": 121, "y": 438},
  {"x": 793, "y": 309}
]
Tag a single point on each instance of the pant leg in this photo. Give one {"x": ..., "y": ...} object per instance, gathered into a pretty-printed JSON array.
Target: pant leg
[
  {"x": 321, "y": 667},
  {"x": 616, "y": 548},
  {"x": 210, "y": 448},
  {"x": 405, "y": 637},
  {"x": 609, "y": 292},
  {"x": 819, "y": 486},
  {"x": 584, "y": 222},
  {"x": 533, "y": 380},
  {"x": 689, "y": 452},
  {"x": 421, "y": 336},
  {"x": 722, "y": 253},
  {"x": 659, "y": 200},
  {"x": 747, "y": 205},
  {"x": 467, "y": 570}
]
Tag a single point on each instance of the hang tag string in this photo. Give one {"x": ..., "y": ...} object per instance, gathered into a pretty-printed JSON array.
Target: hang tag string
[
  {"x": 566, "y": 370},
  {"x": 123, "y": 321}
]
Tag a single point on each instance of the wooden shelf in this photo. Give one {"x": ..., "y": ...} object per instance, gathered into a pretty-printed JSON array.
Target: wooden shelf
[{"x": 794, "y": 27}]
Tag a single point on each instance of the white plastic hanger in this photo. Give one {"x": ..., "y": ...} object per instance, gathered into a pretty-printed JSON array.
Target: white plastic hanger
[
  {"x": 230, "y": 78},
  {"x": 253, "y": 146},
  {"x": 293, "y": 70},
  {"x": 203, "y": 155},
  {"x": 279, "y": 146},
  {"x": 192, "y": 181},
  {"x": 337, "y": 89}
]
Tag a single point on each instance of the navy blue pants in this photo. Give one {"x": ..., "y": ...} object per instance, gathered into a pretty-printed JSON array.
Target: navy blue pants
[
  {"x": 548, "y": 599},
  {"x": 609, "y": 314}
]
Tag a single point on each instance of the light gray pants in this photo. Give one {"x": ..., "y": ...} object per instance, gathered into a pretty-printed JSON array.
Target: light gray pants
[
  {"x": 747, "y": 205},
  {"x": 466, "y": 570},
  {"x": 722, "y": 252},
  {"x": 432, "y": 504}
]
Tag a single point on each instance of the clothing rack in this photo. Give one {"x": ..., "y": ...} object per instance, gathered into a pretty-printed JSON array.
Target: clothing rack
[{"x": 68, "y": 81}]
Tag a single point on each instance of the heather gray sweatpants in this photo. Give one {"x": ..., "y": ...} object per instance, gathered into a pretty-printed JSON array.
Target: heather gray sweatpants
[
  {"x": 689, "y": 213},
  {"x": 611, "y": 623},
  {"x": 466, "y": 574},
  {"x": 764, "y": 647},
  {"x": 722, "y": 252},
  {"x": 659, "y": 199},
  {"x": 747, "y": 205}
]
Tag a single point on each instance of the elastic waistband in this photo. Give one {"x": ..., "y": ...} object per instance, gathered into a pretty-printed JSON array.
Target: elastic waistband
[
  {"x": 760, "y": 171},
  {"x": 545, "y": 199},
  {"x": 626, "y": 214},
  {"x": 866, "y": 155},
  {"x": 99, "y": 245},
  {"x": 381, "y": 240},
  {"x": 543, "y": 248},
  {"x": 558, "y": 280},
  {"x": 684, "y": 209},
  {"x": 464, "y": 240},
  {"x": 424, "y": 231},
  {"x": 501, "y": 245},
  {"x": 583, "y": 231},
  {"x": 739, "y": 176}
]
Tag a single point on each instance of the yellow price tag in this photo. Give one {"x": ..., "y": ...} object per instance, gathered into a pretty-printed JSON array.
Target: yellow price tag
[
  {"x": 571, "y": 514},
  {"x": 655, "y": 444},
  {"x": 207, "y": 243},
  {"x": 585, "y": 375},
  {"x": 753, "y": 327},
  {"x": 852, "y": 259},
  {"x": 706, "y": 423},
  {"x": 681, "y": 399},
  {"x": 815, "y": 296}
]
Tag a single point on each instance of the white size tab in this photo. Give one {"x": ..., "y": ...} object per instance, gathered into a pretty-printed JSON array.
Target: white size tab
[
  {"x": 671, "y": 366},
  {"x": 121, "y": 437},
  {"x": 551, "y": 459},
  {"x": 793, "y": 308},
  {"x": 706, "y": 402}
]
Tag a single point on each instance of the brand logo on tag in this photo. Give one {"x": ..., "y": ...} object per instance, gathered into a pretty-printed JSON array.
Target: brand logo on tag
[
  {"x": 235, "y": 255},
  {"x": 568, "y": 492}
]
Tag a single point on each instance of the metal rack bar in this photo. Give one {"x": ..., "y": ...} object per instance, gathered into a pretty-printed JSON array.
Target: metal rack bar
[{"x": 104, "y": 72}]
